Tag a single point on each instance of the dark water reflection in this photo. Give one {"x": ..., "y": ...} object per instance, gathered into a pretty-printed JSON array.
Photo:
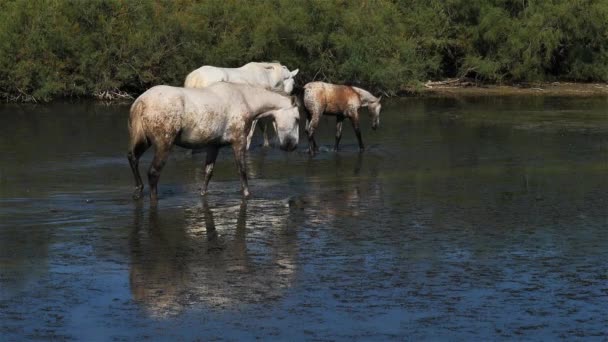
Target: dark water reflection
[
  {"x": 196, "y": 257},
  {"x": 466, "y": 219}
]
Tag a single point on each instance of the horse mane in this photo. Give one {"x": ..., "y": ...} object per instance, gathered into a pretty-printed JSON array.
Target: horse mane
[
  {"x": 264, "y": 89},
  {"x": 273, "y": 63},
  {"x": 280, "y": 92},
  {"x": 365, "y": 95}
]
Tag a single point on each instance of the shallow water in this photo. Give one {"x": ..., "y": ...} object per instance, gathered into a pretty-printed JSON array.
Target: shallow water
[{"x": 470, "y": 219}]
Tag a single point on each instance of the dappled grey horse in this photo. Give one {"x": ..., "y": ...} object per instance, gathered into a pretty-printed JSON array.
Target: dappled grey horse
[
  {"x": 322, "y": 98},
  {"x": 212, "y": 117},
  {"x": 272, "y": 76}
]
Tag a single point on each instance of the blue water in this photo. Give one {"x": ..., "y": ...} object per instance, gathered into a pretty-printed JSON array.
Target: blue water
[{"x": 465, "y": 219}]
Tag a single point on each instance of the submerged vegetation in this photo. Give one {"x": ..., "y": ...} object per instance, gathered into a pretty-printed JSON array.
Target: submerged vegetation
[{"x": 74, "y": 48}]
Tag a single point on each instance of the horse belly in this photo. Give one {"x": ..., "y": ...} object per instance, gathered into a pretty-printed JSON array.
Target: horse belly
[
  {"x": 201, "y": 135},
  {"x": 189, "y": 142},
  {"x": 334, "y": 109},
  {"x": 339, "y": 99}
]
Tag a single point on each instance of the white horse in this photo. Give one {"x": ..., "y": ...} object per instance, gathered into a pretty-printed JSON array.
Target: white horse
[
  {"x": 271, "y": 76},
  {"x": 216, "y": 116}
]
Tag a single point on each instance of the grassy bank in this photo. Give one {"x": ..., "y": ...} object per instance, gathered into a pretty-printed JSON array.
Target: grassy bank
[
  {"x": 567, "y": 89},
  {"x": 112, "y": 48}
]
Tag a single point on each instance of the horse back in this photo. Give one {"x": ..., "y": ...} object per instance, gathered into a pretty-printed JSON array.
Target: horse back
[
  {"x": 205, "y": 76},
  {"x": 167, "y": 103},
  {"x": 330, "y": 98}
]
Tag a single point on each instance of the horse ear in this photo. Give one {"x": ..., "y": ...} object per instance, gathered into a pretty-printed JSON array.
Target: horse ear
[
  {"x": 380, "y": 98},
  {"x": 295, "y": 72}
]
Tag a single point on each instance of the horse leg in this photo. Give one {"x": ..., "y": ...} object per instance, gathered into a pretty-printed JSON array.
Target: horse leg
[
  {"x": 264, "y": 128},
  {"x": 313, "y": 123},
  {"x": 312, "y": 144},
  {"x": 307, "y": 129},
  {"x": 239, "y": 158},
  {"x": 160, "y": 158},
  {"x": 250, "y": 135},
  {"x": 339, "y": 121},
  {"x": 135, "y": 152},
  {"x": 209, "y": 163},
  {"x": 274, "y": 126},
  {"x": 266, "y": 131},
  {"x": 355, "y": 121}
]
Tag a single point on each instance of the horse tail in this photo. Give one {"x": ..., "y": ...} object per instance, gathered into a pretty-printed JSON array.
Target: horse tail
[
  {"x": 307, "y": 98},
  {"x": 303, "y": 106},
  {"x": 136, "y": 130},
  {"x": 297, "y": 96}
]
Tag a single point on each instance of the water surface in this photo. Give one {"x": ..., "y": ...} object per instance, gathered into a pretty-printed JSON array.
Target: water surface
[{"x": 470, "y": 219}]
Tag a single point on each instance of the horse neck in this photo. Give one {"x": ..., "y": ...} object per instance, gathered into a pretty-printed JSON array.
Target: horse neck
[
  {"x": 366, "y": 96},
  {"x": 261, "y": 101}
]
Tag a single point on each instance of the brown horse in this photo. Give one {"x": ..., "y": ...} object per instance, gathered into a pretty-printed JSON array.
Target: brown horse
[
  {"x": 341, "y": 101},
  {"x": 212, "y": 117}
]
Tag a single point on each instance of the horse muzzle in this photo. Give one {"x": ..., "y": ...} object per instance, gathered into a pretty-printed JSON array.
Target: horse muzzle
[{"x": 289, "y": 145}]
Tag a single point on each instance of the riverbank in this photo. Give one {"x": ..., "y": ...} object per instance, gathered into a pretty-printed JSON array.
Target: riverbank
[
  {"x": 566, "y": 89},
  {"x": 429, "y": 89}
]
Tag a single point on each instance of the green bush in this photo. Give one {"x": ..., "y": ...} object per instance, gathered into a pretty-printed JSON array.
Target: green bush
[{"x": 75, "y": 48}]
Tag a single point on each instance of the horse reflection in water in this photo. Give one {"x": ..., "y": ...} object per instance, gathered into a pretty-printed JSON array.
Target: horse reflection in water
[
  {"x": 206, "y": 258},
  {"x": 348, "y": 196}
]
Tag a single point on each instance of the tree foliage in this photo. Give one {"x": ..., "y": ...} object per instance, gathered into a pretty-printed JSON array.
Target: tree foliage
[{"x": 63, "y": 48}]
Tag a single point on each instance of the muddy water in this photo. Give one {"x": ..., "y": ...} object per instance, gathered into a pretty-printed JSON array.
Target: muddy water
[{"x": 468, "y": 219}]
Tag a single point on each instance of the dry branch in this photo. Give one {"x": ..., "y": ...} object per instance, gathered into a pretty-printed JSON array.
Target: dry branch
[{"x": 112, "y": 95}]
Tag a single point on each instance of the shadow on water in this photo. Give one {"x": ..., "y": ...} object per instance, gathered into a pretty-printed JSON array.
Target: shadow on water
[{"x": 208, "y": 257}]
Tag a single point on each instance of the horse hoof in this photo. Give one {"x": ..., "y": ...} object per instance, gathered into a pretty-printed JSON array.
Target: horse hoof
[
  {"x": 137, "y": 195},
  {"x": 246, "y": 194}
]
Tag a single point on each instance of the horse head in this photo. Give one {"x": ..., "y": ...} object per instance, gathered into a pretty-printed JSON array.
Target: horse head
[
  {"x": 281, "y": 77},
  {"x": 288, "y": 85},
  {"x": 287, "y": 126},
  {"x": 374, "y": 111},
  {"x": 289, "y": 82},
  {"x": 289, "y": 74}
]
